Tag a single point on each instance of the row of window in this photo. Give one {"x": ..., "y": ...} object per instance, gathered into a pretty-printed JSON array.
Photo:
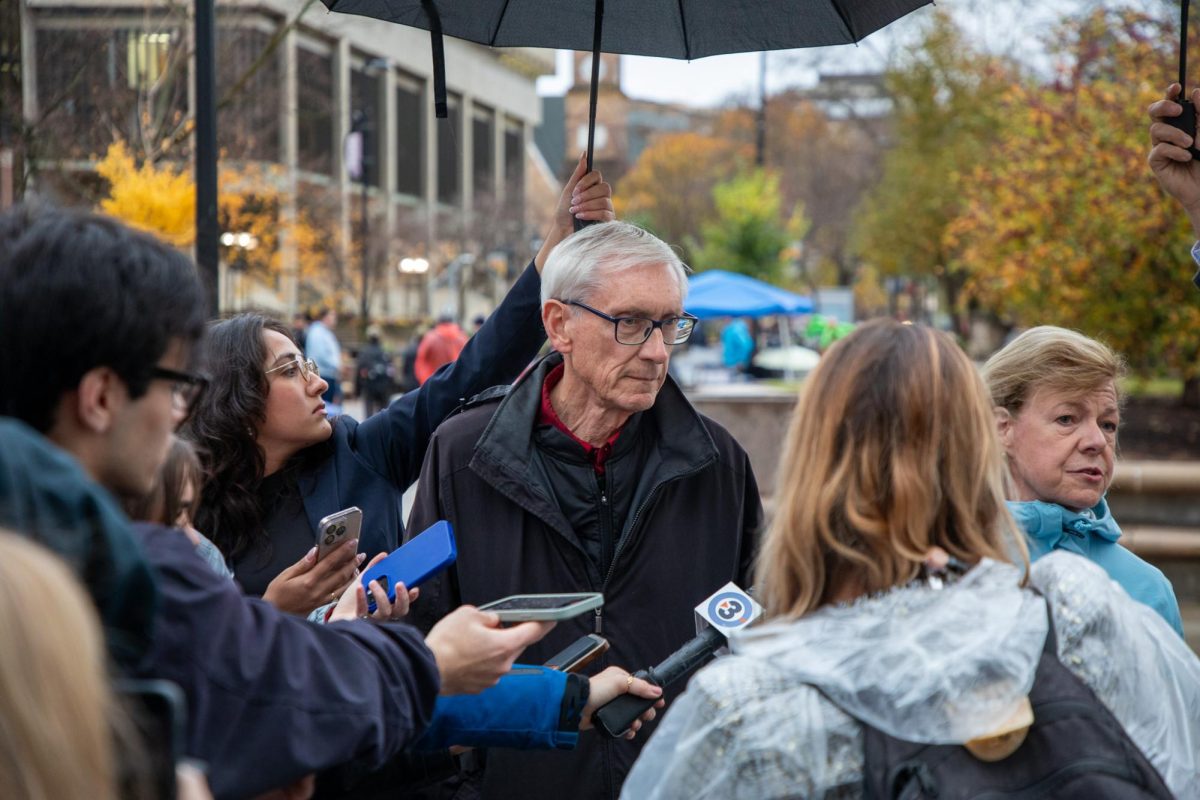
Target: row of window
[{"x": 97, "y": 84}]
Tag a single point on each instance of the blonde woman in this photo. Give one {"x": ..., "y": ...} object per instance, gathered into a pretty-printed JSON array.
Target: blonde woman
[
  {"x": 892, "y": 464},
  {"x": 1057, "y": 399},
  {"x": 56, "y": 708}
]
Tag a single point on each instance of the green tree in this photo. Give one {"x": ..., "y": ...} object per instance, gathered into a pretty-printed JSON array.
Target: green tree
[
  {"x": 1062, "y": 224},
  {"x": 947, "y": 108},
  {"x": 670, "y": 189},
  {"x": 749, "y": 234}
]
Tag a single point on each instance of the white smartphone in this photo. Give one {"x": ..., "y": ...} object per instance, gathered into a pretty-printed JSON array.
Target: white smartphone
[
  {"x": 337, "y": 528},
  {"x": 544, "y": 607}
]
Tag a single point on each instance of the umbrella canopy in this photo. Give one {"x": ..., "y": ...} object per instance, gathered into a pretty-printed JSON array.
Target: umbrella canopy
[
  {"x": 717, "y": 293},
  {"x": 668, "y": 28}
]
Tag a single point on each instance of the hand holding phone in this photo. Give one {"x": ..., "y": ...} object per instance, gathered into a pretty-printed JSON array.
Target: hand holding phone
[
  {"x": 336, "y": 528},
  {"x": 419, "y": 559},
  {"x": 579, "y": 653}
]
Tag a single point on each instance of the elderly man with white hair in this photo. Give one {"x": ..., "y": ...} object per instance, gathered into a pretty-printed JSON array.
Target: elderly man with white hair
[{"x": 592, "y": 473}]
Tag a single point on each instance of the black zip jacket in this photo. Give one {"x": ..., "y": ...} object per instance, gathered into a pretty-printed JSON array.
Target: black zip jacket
[{"x": 691, "y": 525}]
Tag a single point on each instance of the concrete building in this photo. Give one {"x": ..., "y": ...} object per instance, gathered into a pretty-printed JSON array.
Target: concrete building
[{"x": 293, "y": 84}]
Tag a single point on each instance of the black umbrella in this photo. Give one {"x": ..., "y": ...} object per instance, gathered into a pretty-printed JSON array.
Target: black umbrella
[{"x": 668, "y": 28}]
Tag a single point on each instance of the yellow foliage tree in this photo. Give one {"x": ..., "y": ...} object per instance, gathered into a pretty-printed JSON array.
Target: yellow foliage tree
[
  {"x": 1062, "y": 223},
  {"x": 158, "y": 199},
  {"x": 161, "y": 198}
]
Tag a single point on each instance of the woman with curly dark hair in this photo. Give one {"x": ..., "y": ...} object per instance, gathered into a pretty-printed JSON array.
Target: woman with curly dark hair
[{"x": 276, "y": 464}]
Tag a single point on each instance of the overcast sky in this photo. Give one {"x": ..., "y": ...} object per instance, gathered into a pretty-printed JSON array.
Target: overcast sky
[{"x": 998, "y": 25}]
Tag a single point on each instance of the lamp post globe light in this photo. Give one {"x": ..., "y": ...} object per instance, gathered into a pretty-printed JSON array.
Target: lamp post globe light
[
  {"x": 238, "y": 245},
  {"x": 417, "y": 268}
]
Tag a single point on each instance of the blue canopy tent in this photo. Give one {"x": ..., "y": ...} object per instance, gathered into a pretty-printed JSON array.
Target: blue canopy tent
[{"x": 717, "y": 293}]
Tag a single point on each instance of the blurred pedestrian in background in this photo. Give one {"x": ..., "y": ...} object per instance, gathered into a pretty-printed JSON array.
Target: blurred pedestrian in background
[
  {"x": 321, "y": 345},
  {"x": 438, "y": 347},
  {"x": 374, "y": 373}
]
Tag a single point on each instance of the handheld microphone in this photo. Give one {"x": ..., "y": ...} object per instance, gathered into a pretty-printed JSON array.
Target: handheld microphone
[{"x": 717, "y": 617}]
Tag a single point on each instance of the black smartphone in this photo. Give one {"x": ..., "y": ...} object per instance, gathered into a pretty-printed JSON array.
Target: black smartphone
[
  {"x": 579, "y": 653},
  {"x": 158, "y": 712}
]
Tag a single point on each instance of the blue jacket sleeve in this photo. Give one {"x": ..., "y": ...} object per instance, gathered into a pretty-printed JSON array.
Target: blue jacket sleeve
[
  {"x": 271, "y": 697},
  {"x": 525, "y": 710},
  {"x": 394, "y": 441}
]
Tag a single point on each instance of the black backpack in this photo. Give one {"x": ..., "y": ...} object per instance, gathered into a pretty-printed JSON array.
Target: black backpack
[{"x": 1075, "y": 750}]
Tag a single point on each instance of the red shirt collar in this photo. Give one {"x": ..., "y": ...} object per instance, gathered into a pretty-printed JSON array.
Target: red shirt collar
[{"x": 548, "y": 416}]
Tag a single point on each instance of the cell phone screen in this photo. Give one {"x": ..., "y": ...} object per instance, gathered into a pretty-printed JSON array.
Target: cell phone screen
[{"x": 539, "y": 602}]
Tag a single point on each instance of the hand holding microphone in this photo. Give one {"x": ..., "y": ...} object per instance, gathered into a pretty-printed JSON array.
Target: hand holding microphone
[{"x": 719, "y": 615}]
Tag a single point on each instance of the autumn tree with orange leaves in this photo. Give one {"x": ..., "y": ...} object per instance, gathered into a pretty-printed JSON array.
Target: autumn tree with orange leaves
[
  {"x": 670, "y": 188},
  {"x": 161, "y": 199},
  {"x": 1062, "y": 223}
]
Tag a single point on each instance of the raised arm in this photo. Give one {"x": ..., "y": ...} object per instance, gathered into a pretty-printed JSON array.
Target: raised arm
[
  {"x": 395, "y": 441},
  {"x": 1173, "y": 165}
]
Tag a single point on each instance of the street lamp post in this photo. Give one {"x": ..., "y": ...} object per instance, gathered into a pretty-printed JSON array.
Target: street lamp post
[
  {"x": 358, "y": 163},
  {"x": 413, "y": 266},
  {"x": 240, "y": 243}
]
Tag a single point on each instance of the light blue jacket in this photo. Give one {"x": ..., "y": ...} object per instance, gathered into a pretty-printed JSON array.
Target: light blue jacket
[
  {"x": 321, "y": 346},
  {"x": 1093, "y": 535}
]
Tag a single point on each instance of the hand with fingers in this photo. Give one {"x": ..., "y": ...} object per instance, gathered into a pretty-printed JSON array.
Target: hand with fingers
[
  {"x": 310, "y": 583},
  {"x": 614, "y": 682},
  {"x": 587, "y": 197},
  {"x": 473, "y": 651},
  {"x": 353, "y": 602},
  {"x": 1177, "y": 171}
]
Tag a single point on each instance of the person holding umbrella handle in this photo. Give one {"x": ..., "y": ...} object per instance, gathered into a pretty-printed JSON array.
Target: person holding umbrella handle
[{"x": 1172, "y": 161}]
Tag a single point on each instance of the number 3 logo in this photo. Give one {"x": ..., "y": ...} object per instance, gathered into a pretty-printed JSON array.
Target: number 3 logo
[{"x": 729, "y": 610}]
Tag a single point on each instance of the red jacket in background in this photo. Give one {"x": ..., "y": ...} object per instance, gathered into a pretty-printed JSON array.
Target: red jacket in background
[{"x": 440, "y": 346}]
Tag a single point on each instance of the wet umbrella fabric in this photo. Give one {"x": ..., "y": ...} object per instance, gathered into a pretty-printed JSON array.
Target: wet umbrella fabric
[
  {"x": 684, "y": 29},
  {"x": 668, "y": 28}
]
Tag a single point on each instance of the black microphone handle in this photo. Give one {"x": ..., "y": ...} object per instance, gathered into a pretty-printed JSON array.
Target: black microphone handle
[
  {"x": 616, "y": 716},
  {"x": 683, "y": 660}
]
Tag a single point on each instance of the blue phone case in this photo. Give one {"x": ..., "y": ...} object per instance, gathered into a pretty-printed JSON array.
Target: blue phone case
[{"x": 414, "y": 562}]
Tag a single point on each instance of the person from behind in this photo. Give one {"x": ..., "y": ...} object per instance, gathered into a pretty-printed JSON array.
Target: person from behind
[
  {"x": 58, "y": 712},
  {"x": 737, "y": 346},
  {"x": 908, "y": 645},
  {"x": 373, "y": 373},
  {"x": 593, "y": 473},
  {"x": 439, "y": 346},
  {"x": 300, "y": 323},
  {"x": 1057, "y": 400}
]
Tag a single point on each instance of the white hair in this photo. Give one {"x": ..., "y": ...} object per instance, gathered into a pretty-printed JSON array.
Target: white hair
[{"x": 582, "y": 262}]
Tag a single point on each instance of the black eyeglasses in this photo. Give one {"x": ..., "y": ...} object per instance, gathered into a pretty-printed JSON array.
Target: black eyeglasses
[
  {"x": 186, "y": 387},
  {"x": 636, "y": 330}
]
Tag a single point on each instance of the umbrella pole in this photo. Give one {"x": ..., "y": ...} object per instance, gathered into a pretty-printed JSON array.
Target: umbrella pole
[{"x": 597, "y": 28}]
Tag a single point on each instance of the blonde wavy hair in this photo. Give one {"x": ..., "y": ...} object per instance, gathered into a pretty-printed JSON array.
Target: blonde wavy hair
[
  {"x": 1047, "y": 357},
  {"x": 892, "y": 450},
  {"x": 56, "y": 705}
]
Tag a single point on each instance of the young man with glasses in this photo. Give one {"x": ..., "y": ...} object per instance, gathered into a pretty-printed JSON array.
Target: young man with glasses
[{"x": 593, "y": 473}]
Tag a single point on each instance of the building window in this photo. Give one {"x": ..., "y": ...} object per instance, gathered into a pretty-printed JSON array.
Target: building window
[
  {"x": 410, "y": 137},
  {"x": 448, "y": 153},
  {"x": 148, "y": 55},
  {"x": 483, "y": 133},
  {"x": 92, "y": 81},
  {"x": 314, "y": 111},
  {"x": 364, "y": 98},
  {"x": 514, "y": 164},
  {"x": 250, "y": 90}
]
